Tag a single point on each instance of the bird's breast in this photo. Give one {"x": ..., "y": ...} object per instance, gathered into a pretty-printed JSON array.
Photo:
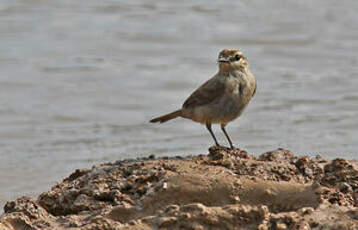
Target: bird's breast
[{"x": 232, "y": 85}]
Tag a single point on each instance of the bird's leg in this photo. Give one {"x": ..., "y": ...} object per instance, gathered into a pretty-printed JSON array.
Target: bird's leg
[
  {"x": 227, "y": 136},
  {"x": 208, "y": 126}
]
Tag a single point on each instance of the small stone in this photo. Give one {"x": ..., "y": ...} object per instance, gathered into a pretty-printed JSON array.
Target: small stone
[
  {"x": 307, "y": 211},
  {"x": 193, "y": 207},
  {"x": 131, "y": 222},
  {"x": 166, "y": 221},
  {"x": 344, "y": 187},
  {"x": 314, "y": 224},
  {"x": 237, "y": 199},
  {"x": 281, "y": 226},
  {"x": 148, "y": 219},
  {"x": 165, "y": 185},
  {"x": 185, "y": 216},
  {"x": 172, "y": 208},
  {"x": 308, "y": 172}
]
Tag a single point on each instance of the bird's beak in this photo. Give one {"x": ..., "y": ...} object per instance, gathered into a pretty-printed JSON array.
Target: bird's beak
[{"x": 223, "y": 59}]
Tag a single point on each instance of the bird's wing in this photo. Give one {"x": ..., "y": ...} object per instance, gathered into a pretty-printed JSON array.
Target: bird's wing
[{"x": 206, "y": 93}]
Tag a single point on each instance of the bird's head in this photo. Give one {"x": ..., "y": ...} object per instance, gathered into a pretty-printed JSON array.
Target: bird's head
[{"x": 231, "y": 60}]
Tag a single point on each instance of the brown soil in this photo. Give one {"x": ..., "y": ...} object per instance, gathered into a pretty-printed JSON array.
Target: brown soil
[{"x": 227, "y": 189}]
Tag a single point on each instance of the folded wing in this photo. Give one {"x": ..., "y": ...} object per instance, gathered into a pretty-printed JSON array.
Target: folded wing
[{"x": 207, "y": 93}]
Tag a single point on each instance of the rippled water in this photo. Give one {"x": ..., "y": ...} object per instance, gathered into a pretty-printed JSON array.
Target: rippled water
[{"x": 79, "y": 80}]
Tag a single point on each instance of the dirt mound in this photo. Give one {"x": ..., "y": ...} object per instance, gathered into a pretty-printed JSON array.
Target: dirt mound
[{"x": 227, "y": 189}]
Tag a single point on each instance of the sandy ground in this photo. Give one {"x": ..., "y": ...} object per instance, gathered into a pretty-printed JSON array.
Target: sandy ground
[{"x": 226, "y": 189}]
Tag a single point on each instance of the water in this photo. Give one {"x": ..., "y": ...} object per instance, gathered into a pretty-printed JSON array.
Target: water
[{"x": 79, "y": 80}]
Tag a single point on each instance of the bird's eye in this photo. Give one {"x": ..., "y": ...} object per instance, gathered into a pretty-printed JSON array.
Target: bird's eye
[{"x": 237, "y": 57}]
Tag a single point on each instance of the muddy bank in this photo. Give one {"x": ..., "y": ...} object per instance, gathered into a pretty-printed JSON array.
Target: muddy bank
[{"x": 226, "y": 189}]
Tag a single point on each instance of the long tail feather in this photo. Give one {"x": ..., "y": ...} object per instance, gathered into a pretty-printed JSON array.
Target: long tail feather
[{"x": 167, "y": 117}]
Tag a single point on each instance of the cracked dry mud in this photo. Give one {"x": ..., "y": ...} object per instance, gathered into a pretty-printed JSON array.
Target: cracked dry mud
[{"x": 226, "y": 189}]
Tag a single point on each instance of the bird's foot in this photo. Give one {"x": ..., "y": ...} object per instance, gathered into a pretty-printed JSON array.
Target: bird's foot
[
  {"x": 222, "y": 147},
  {"x": 231, "y": 148}
]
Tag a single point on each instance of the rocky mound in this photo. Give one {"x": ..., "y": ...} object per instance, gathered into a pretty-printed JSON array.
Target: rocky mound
[{"x": 227, "y": 189}]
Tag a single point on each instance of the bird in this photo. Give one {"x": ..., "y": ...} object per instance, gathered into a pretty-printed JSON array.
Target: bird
[{"x": 222, "y": 98}]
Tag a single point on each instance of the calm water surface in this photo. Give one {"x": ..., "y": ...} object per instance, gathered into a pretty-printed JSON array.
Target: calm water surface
[{"x": 79, "y": 80}]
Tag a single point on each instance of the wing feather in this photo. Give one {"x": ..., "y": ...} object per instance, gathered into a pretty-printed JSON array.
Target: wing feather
[{"x": 206, "y": 93}]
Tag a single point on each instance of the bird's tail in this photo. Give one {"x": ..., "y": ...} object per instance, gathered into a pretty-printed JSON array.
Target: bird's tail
[{"x": 167, "y": 117}]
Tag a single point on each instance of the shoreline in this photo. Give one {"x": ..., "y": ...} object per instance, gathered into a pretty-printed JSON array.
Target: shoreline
[{"x": 226, "y": 189}]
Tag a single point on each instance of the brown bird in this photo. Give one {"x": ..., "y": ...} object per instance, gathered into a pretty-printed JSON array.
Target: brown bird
[{"x": 222, "y": 98}]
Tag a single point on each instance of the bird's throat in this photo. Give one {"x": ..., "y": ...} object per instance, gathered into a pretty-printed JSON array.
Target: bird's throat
[{"x": 225, "y": 67}]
